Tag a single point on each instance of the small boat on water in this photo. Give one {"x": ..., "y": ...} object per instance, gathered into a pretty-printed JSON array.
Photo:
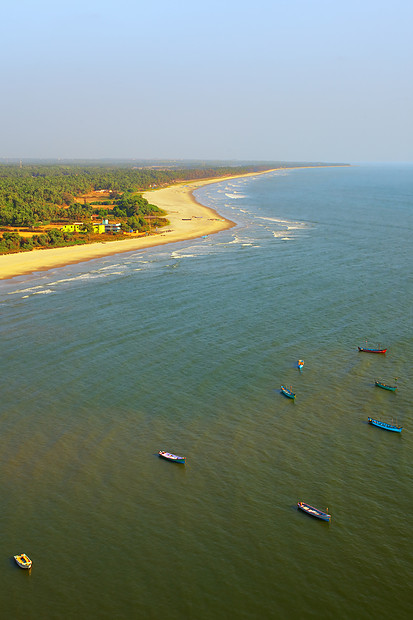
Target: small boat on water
[
  {"x": 172, "y": 457},
  {"x": 300, "y": 364},
  {"x": 368, "y": 350},
  {"x": 288, "y": 393},
  {"x": 387, "y": 427},
  {"x": 314, "y": 512},
  {"x": 23, "y": 560},
  {"x": 392, "y": 388}
]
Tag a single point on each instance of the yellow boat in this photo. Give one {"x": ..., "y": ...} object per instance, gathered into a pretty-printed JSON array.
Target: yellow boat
[{"x": 23, "y": 560}]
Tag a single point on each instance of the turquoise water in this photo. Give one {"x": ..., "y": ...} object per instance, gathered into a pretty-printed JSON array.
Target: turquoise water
[{"x": 184, "y": 348}]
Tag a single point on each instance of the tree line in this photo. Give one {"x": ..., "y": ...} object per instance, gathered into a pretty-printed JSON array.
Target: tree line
[{"x": 37, "y": 193}]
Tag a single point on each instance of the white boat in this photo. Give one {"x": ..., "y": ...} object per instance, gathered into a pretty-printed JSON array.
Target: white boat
[{"x": 23, "y": 560}]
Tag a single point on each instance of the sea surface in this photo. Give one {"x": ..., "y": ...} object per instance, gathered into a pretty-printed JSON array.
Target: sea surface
[{"x": 184, "y": 348}]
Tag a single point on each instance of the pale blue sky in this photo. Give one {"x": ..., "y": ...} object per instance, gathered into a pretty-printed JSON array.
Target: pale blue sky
[{"x": 293, "y": 80}]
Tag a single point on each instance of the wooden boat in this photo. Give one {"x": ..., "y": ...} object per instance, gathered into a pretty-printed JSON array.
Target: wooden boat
[
  {"x": 387, "y": 427},
  {"x": 23, "y": 560},
  {"x": 172, "y": 457},
  {"x": 392, "y": 388},
  {"x": 314, "y": 512},
  {"x": 300, "y": 364},
  {"x": 367, "y": 350},
  {"x": 287, "y": 392}
]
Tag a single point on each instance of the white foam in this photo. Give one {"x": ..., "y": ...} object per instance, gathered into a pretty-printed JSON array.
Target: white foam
[
  {"x": 108, "y": 267},
  {"x": 280, "y": 234},
  {"x": 176, "y": 255},
  {"x": 93, "y": 275},
  {"x": 25, "y": 290},
  {"x": 288, "y": 223}
]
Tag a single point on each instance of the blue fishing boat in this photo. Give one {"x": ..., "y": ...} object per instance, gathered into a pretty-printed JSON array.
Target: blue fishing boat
[
  {"x": 392, "y": 388},
  {"x": 172, "y": 457},
  {"x": 387, "y": 427},
  {"x": 314, "y": 512},
  {"x": 300, "y": 364},
  {"x": 288, "y": 393}
]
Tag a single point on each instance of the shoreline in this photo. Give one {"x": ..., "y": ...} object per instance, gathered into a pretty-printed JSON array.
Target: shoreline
[{"x": 188, "y": 219}]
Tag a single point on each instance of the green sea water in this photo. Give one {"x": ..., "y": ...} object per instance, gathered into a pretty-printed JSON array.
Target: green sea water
[{"x": 184, "y": 348}]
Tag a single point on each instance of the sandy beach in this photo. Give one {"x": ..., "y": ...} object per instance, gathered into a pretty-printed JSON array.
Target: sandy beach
[{"x": 188, "y": 220}]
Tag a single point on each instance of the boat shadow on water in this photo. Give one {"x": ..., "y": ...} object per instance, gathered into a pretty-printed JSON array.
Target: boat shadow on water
[
  {"x": 21, "y": 561},
  {"x": 14, "y": 566}
]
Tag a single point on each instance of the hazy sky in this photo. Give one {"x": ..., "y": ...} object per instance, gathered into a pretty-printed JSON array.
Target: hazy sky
[{"x": 291, "y": 80}]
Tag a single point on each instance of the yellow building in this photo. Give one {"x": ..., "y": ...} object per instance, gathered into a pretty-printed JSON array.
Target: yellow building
[{"x": 77, "y": 227}]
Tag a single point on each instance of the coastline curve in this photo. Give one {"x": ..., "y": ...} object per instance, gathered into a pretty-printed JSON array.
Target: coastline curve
[{"x": 188, "y": 218}]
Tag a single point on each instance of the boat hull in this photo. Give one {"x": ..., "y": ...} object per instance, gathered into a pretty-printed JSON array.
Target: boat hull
[
  {"x": 23, "y": 561},
  {"x": 288, "y": 393},
  {"x": 387, "y": 427},
  {"x": 172, "y": 457},
  {"x": 391, "y": 388},
  {"x": 313, "y": 512},
  {"x": 364, "y": 350}
]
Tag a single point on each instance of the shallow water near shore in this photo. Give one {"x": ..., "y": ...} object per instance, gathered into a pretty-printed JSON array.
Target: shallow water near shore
[{"x": 184, "y": 348}]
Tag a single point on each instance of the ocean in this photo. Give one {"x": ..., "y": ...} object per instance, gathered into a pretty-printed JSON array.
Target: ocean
[{"x": 184, "y": 348}]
